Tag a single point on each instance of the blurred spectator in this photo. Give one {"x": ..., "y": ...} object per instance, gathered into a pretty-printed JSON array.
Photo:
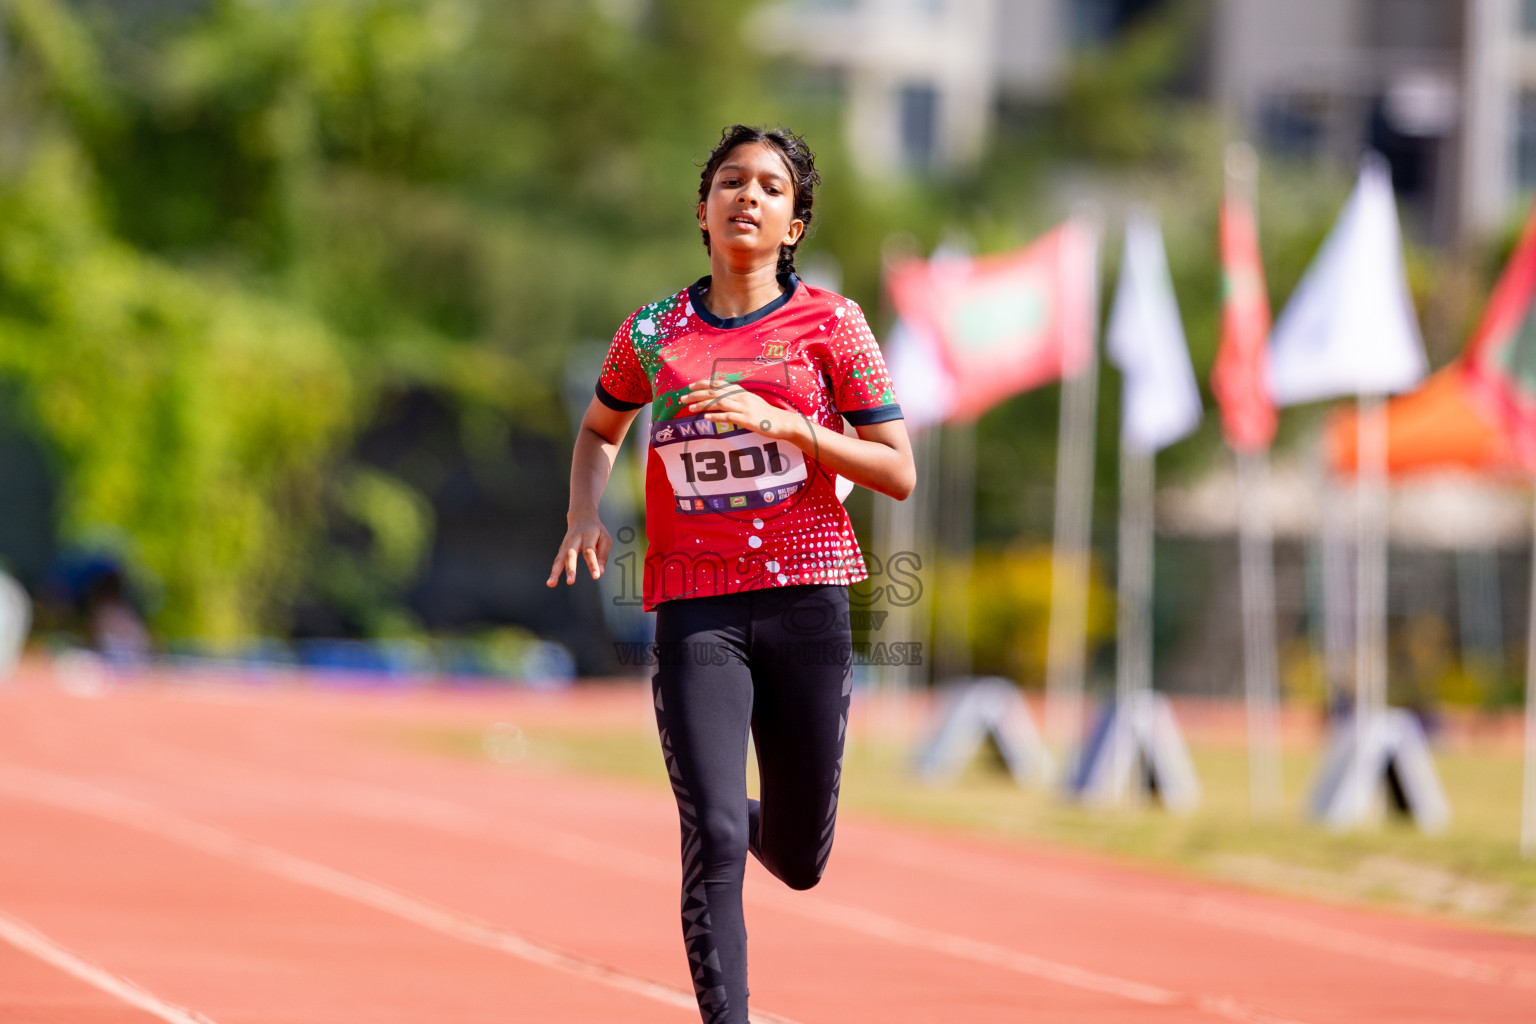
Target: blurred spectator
[{"x": 89, "y": 594}]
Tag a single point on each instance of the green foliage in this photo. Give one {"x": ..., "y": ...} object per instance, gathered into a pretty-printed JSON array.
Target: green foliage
[
  {"x": 189, "y": 413},
  {"x": 396, "y": 526},
  {"x": 1010, "y": 597},
  {"x": 232, "y": 232}
]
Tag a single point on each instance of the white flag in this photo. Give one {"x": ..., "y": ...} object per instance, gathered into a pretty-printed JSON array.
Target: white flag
[
  {"x": 1160, "y": 401},
  {"x": 1350, "y": 328},
  {"x": 919, "y": 377}
]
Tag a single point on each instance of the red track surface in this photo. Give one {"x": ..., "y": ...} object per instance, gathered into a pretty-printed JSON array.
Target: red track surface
[{"x": 264, "y": 855}]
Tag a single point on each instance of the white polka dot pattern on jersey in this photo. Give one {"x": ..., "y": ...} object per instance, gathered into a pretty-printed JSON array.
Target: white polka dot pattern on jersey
[{"x": 817, "y": 355}]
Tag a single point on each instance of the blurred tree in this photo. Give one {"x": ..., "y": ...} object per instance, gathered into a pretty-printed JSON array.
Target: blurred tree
[
  {"x": 192, "y": 414},
  {"x": 237, "y": 231}
]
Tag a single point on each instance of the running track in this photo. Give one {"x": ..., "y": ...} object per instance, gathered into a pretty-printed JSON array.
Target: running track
[{"x": 246, "y": 854}]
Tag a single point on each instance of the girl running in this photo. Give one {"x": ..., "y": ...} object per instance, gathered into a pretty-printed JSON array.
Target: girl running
[{"x": 749, "y": 373}]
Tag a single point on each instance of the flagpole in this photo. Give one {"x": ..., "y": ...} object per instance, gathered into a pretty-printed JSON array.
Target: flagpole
[
  {"x": 1256, "y": 558},
  {"x": 1338, "y": 622},
  {"x": 1528, "y": 796},
  {"x": 1133, "y": 654},
  {"x": 1256, "y": 566},
  {"x": 1370, "y": 584},
  {"x": 905, "y": 529},
  {"x": 1066, "y": 643},
  {"x": 957, "y": 475}
]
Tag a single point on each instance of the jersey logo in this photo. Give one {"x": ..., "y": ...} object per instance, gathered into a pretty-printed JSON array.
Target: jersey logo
[{"x": 772, "y": 351}]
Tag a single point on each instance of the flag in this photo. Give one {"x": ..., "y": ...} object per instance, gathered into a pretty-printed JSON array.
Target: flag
[
  {"x": 1439, "y": 426},
  {"x": 1247, "y": 414},
  {"x": 1501, "y": 357},
  {"x": 1004, "y": 324},
  {"x": 1350, "y": 327},
  {"x": 918, "y": 376},
  {"x": 1160, "y": 401}
]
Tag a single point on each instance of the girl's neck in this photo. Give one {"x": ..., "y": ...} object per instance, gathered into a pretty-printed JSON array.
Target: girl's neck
[{"x": 734, "y": 293}]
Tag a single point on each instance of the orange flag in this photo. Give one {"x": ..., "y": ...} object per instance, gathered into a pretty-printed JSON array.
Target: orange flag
[{"x": 1238, "y": 378}]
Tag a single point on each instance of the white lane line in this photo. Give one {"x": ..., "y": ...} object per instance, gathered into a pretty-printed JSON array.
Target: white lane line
[
  {"x": 880, "y": 926},
  {"x": 383, "y": 803},
  {"x": 1369, "y": 947},
  {"x": 379, "y": 802},
  {"x": 368, "y": 800},
  {"x": 1230, "y": 1009},
  {"x": 29, "y": 940},
  {"x": 1222, "y": 913},
  {"x": 58, "y": 791}
]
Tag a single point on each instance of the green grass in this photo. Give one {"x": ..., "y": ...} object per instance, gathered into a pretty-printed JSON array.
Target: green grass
[{"x": 1471, "y": 870}]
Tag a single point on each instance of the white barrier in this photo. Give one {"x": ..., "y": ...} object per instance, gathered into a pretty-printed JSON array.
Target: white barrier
[
  {"x": 1395, "y": 756},
  {"x": 15, "y": 623},
  {"x": 1137, "y": 744},
  {"x": 973, "y": 712}
]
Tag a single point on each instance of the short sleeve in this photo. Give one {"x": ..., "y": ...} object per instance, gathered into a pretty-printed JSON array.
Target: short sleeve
[
  {"x": 623, "y": 384},
  {"x": 861, "y": 384}
]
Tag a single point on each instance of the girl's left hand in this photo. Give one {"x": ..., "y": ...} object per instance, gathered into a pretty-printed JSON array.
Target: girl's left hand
[{"x": 723, "y": 402}]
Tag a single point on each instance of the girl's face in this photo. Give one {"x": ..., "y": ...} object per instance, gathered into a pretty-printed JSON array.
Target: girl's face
[{"x": 750, "y": 211}]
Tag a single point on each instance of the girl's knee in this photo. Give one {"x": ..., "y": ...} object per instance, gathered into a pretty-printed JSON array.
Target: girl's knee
[
  {"x": 803, "y": 876},
  {"x": 723, "y": 836},
  {"x": 799, "y": 868}
]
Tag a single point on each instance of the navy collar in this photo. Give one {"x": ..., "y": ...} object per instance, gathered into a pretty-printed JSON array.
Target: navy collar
[{"x": 697, "y": 289}]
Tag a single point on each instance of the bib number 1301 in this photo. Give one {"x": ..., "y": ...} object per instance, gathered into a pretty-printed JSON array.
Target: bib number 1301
[
  {"x": 724, "y": 468},
  {"x": 745, "y": 463}
]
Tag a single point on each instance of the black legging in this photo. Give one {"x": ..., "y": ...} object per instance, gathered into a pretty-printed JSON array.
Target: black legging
[{"x": 777, "y": 660}]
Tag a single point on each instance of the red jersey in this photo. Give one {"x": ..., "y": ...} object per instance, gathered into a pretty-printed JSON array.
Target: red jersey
[{"x": 727, "y": 509}]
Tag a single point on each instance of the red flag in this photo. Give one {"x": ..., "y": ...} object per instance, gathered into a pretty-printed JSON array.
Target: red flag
[
  {"x": 1238, "y": 378},
  {"x": 1005, "y": 323},
  {"x": 1501, "y": 357}
]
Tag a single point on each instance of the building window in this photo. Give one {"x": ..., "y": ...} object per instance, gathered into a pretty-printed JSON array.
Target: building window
[
  {"x": 1525, "y": 141},
  {"x": 919, "y": 125},
  {"x": 1528, "y": 17},
  {"x": 1096, "y": 22},
  {"x": 1292, "y": 124}
]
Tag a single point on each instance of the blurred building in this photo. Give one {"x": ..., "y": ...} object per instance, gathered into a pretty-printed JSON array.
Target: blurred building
[
  {"x": 921, "y": 80},
  {"x": 1446, "y": 89}
]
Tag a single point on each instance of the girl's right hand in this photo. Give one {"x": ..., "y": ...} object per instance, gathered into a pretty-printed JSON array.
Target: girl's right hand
[{"x": 585, "y": 537}]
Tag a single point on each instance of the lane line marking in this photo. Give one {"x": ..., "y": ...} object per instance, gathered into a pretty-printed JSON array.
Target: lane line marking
[
  {"x": 58, "y": 791},
  {"x": 1230, "y": 1009},
  {"x": 383, "y": 803},
  {"x": 1273, "y": 924},
  {"x": 369, "y": 800},
  {"x": 881, "y": 926},
  {"x": 29, "y": 940},
  {"x": 1369, "y": 947}
]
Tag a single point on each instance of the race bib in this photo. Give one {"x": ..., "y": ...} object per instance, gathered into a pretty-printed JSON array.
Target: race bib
[{"x": 720, "y": 467}]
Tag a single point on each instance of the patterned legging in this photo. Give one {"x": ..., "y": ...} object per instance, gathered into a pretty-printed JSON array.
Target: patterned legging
[{"x": 776, "y": 661}]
